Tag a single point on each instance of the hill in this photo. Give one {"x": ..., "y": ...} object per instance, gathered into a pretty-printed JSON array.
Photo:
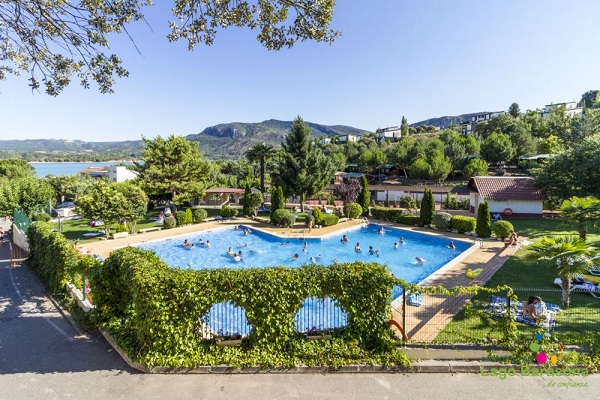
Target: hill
[
  {"x": 444, "y": 122},
  {"x": 233, "y": 139}
]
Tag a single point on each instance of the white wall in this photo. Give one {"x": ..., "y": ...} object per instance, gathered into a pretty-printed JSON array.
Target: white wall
[
  {"x": 120, "y": 174},
  {"x": 518, "y": 206}
]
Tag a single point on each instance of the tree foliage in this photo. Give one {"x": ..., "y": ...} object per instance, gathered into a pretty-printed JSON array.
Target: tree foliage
[
  {"x": 54, "y": 41},
  {"x": 173, "y": 167},
  {"x": 427, "y": 208},
  {"x": 304, "y": 170},
  {"x": 14, "y": 168},
  {"x": 581, "y": 210},
  {"x": 261, "y": 152},
  {"x": 497, "y": 147},
  {"x": 364, "y": 197},
  {"x": 483, "y": 227},
  {"x": 348, "y": 191},
  {"x": 475, "y": 167},
  {"x": 27, "y": 193}
]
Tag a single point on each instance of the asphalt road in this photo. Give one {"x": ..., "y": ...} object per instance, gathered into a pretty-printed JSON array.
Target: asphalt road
[{"x": 43, "y": 357}]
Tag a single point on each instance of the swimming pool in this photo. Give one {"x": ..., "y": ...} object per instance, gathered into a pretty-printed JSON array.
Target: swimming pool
[{"x": 260, "y": 249}]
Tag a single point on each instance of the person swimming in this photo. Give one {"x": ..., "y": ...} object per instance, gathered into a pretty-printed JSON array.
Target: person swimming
[
  {"x": 357, "y": 248},
  {"x": 200, "y": 242},
  {"x": 395, "y": 245},
  {"x": 236, "y": 228},
  {"x": 421, "y": 260},
  {"x": 186, "y": 244},
  {"x": 295, "y": 257},
  {"x": 381, "y": 231},
  {"x": 313, "y": 261},
  {"x": 371, "y": 251},
  {"x": 451, "y": 245},
  {"x": 377, "y": 252},
  {"x": 230, "y": 252},
  {"x": 207, "y": 244},
  {"x": 284, "y": 243},
  {"x": 402, "y": 240},
  {"x": 344, "y": 239}
]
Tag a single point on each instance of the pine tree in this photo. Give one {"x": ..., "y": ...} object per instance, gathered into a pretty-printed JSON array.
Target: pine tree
[
  {"x": 427, "y": 208},
  {"x": 246, "y": 201},
  {"x": 364, "y": 197},
  {"x": 404, "y": 127},
  {"x": 484, "y": 223}
]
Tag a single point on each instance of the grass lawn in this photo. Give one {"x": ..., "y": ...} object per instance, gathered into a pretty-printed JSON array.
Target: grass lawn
[{"x": 529, "y": 278}]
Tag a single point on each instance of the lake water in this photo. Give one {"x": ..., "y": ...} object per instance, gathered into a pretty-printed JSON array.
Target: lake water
[{"x": 68, "y": 168}]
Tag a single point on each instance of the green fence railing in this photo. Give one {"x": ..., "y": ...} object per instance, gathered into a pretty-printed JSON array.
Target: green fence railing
[{"x": 21, "y": 220}]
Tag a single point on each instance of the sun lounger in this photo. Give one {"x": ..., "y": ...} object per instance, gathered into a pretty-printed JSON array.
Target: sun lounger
[{"x": 586, "y": 286}]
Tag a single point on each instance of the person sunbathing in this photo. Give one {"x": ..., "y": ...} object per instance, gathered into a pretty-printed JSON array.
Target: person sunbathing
[
  {"x": 513, "y": 240},
  {"x": 535, "y": 309}
]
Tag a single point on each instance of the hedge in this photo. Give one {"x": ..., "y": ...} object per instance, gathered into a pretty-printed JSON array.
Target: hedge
[
  {"x": 169, "y": 222},
  {"x": 330, "y": 220},
  {"x": 462, "y": 224},
  {"x": 353, "y": 210},
  {"x": 282, "y": 217},
  {"x": 318, "y": 215},
  {"x": 153, "y": 309},
  {"x": 180, "y": 217},
  {"x": 442, "y": 220},
  {"x": 386, "y": 214},
  {"x": 502, "y": 229},
  {"x": 199, "y": 215}
]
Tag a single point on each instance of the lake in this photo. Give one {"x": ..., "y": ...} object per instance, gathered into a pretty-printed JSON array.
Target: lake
[{"x": 68, "y": 168}]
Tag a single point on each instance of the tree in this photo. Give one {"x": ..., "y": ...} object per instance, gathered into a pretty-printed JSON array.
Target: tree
[
  {"x": 582, "y": 127},
  {"x": 475, "y": 167},
  {"x": 135, "y": 205},
  {"x": 427, "y": 208},
  {"x": 581, "y": 210},
  {"x": 304, "y": 170},
  {"x": 571, "y": 256},
  {"x": 364, "y": 197},
  {"x": 103, "y": 202},
  {"x": 456, "y": 152},
  {"x": 261, "y": 153},
  {"x": 251, "y": 202},
  {"x": 589, "y": 99},
  {"x": 27, "y": 193},
  {"x": 497, "y": 147},
  {"x": 173, "y": 167},
  {"x": 404, "y": 127},
  {"x": 484, "y": 223},
  {"x": 277, "y": 199},
  {"x": 13, "y": 168},
  {"x": 420, "y": 169},
  {"x": 514, "y": 110},
  {"x": 54, "y": 41},
  {"x": 349, "y": 191},
  {"x": 440, "y": 167}
]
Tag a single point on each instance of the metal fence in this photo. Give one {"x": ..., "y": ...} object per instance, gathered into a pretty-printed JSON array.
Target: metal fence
[
  {"x": 21, "y": 220},
  {"x": 466, "y": 319}
]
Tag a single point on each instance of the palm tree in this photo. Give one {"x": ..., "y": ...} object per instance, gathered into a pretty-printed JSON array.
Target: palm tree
[
  {"x": 581, "y": 210},
  {"x": 572, "y": 256},
  {"x": 260, "y": 152}
]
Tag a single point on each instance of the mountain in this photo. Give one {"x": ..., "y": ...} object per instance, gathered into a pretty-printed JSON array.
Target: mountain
[
  {"x": 444, "y": 122},
  {"x": 219, "y": 141},
  {"x": 233, "y": 139}
]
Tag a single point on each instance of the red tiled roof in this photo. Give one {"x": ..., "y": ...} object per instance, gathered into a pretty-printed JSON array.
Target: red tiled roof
[
  {"x": 225, "y": 190},
  {"x": 93, "y": 169},
  {"x": 506, "y": 188}
]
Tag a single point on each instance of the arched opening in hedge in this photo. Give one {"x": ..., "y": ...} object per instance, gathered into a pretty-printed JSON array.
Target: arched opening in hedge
[
  {"x": 225, "y": 320},
  {"x": 320, "y": 314}
]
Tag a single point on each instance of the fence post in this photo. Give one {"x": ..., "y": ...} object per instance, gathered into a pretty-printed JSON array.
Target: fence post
[{"x": 404, "y": 334}]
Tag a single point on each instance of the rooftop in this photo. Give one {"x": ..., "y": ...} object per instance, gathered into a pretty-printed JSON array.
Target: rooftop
[{"x": 506, "y": 188}]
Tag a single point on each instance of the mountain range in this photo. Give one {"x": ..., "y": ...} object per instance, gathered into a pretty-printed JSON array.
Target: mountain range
[{"x": 227, "y": 141}]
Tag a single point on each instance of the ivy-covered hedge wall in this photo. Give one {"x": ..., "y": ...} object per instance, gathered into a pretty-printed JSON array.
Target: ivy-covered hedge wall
[{"x": 154, "y": 309}]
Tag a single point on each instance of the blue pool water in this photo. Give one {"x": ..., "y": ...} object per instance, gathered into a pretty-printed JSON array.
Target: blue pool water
[{"x": 262, "y": 250}]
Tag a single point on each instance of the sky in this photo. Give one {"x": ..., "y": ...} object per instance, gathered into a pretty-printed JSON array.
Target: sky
[{"x": 418, "y": 59}]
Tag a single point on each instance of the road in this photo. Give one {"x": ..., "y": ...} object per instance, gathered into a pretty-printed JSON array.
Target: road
[{"x": 43, "y": 357}]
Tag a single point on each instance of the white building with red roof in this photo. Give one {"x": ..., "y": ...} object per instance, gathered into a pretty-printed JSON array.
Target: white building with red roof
[{"x": 507, "y": 195}]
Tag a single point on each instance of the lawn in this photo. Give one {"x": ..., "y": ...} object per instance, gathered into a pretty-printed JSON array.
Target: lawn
[{"x": 528, "y": 278}]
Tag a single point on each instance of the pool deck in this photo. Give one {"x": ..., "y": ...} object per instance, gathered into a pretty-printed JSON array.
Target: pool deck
[{"x": 423, "y": 323}]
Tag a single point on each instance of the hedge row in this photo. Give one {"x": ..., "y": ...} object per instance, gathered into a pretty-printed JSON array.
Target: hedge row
[
  {"x": 154, "y": 309},
  {"x": 394, "y": 215}
]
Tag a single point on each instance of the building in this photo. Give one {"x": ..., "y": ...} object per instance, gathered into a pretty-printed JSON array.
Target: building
[
  {"x": 469, "y": 127},
  {"x": 508, "y": 196},
  {"x": 115, "y": 173},
  {"x": 221, "y": 196},
  {"x": 571, "y": 109},
  {"x": 391, "y": 133},
  {"x": 348, "y": 138}
]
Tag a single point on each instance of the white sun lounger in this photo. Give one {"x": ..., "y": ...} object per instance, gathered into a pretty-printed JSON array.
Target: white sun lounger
[{"x": 589, "y": 287}]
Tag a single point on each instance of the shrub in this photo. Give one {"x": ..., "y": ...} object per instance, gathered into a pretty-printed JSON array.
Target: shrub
[
  {"x": 169, "y": 222},
  {"x": 180, "y": 217},
  {"x": 251, "y": 201},
  {"x": 330, "y": 220},
  {"x": 199, "y": 215},
  {"x": 43, "y": 217},
  {"x": 451, "y": 201},
  {"x": 122, "y": 228},
  {"x": 387, "y": 199},
  {"x": 465, "y": 204},
  {"x": 427, "y": 208},
  {"x": 225, "y": 212},
  {"x": 386, "y": 214},
  {"x": 234, "y": 212},
  {"x": 483, "y": 228},
  {"x": 442, "y": 220},
  {"x": 412, "y": 220},
  {"x": 475, "y": 167},
  {"x": 462, "y": 224},
  {"x": 282, "y": 217},
  {"x": 277, "y": 199},
  {"x": 318, "y": 215},
  {"x": 189, "y": 218},
  {"x": 364, "y": 196},
  {"x": 353, "y": 210},
  {"x": 408, "y": 202},
  {"x": 502, "y": 229}
]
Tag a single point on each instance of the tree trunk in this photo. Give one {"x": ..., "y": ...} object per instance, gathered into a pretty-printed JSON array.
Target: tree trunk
[
  {"x": 566, "y": 292},
  {"x": 582, "y": 232},
  {"x": 262, "y": 176},
  {"x": 301, "y": 202}
]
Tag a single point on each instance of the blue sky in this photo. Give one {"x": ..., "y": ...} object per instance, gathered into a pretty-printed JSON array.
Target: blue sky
[{"x": 420, "y": 59}]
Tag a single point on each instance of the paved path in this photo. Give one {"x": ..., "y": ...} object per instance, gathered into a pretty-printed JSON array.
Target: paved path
[{"x": 43, "y": 357}]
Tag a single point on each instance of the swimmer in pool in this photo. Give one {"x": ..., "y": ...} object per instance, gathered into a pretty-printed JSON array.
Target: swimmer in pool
[
  {"x": 395, "y": 245},
  {"x": 421, "y": 260},
  {"x": 230, "y": 252},
  {"x": 312, "y": 260},
  {"x": 344, "y": 239},
  {"x": 451, "y": 245},
  {"x": 295, "y": 257},
  {"x": 377, "y": 252},
  {"x": 207, "y": 244},
  {"x": 401, "y": 240},
  {"x": 381, "y": 231},
  {"x": 371, "y": 251},
  {"x": 357, "y": 248}
]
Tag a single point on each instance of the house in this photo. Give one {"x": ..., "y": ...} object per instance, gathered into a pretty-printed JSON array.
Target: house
[
  {"x": 348, "y": 138},
  {"x": 469, "y": 127},
  {"x": 220, "y": 196},
  {"x": 115, "y": 173},
  {"x": 506, "y": 195},
  {"x": 571, "y": 109},
  {"x": 391, "y": 133}
]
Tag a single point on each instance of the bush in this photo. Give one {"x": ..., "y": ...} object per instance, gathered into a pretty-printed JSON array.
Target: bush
[
  {"x": 169, "y": 222},
  {"x": 451, "y": 201},
  {"x": 427, "y": 208},
  {"x": 502, "y": 229},
  {"x": 412, "y": 220},
  {"x": 408, "y": 202},
  {"x": 318, "y": 215},
  {"x": 442, "y": 220},
  {"x": 465, "y": 204},
  {"x": 189, "y": 218},
  {"x": 122, "y": 228},
  {"x": 483, "y": 228},
  {"x": 386, "y": 214},
  {"x": 330, "y": 220},
  {"x": 353, "y": 210},
  {"x": 43, "y": 217},
  {"x": 462, "y": 224},
  {"x": 199, "y": 215},
  {"x": 282, "y": 217},
  {"x": 227, "y": 212},
  {"x": 180, "y": 217}
]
